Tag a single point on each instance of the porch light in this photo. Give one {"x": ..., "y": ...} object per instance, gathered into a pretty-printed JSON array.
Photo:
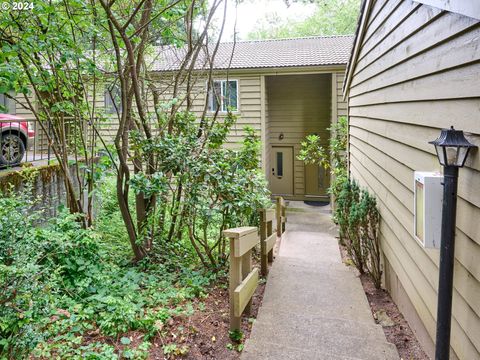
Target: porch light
[
  {"x": 452, "y": 151},
  {"x": 452, "y": 147}
]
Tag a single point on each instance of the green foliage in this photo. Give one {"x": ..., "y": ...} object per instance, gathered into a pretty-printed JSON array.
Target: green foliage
[
  {"x": 312, "y": 152},
  {"x": 358, "y": 217},
  {"x": 333, "y": 158},
  {"x": 62, "y": 284},
  {"x": 338, "y": 154},
  {"x": 331, "y": 17},
  {"x": 201, "y": 186}
]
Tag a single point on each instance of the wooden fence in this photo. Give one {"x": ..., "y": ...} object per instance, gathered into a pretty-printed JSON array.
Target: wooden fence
[{"x": 244, "y": 278}]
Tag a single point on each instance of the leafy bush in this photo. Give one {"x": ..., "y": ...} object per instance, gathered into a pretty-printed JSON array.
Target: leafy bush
[
  {"x": 333, "y": 158},
  {"x": 359, "y": 219},
  {"x": 61, "y": 283},
  {"x": 201, "y": 187}
]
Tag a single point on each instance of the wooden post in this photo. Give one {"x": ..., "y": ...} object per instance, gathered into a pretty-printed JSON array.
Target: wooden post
[
  {"x": 270, "y": 233},
  {"x": 281, "y": 215},
  {"x": 246, "y": 269},
  {"x": 243, "y": 280},
  {"x": 235, "y": 280},
  {"x": 266, "y": 239}
]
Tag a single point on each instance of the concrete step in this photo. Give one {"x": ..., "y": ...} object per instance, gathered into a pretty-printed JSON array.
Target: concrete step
[
  {"x": 310, "y": 221},
  {"x": 281, "y": 352},
  {"x": 312, "y": 265},
  {"x": 325, "y": 338},
  {"x": 348, "y": 350},
  {"x": 333, "y": 293},
  {"x": 321, "y": 340},
  {"x": 310, "y": 246},
  {"x": 320, "y": 324}
]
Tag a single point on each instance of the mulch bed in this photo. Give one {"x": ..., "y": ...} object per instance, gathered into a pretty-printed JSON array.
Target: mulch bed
[
  {"x": 205, "y": 334},
  {"x": 400, "y": 334}
]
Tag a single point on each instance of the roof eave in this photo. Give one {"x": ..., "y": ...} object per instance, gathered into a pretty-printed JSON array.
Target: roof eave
[
  {"x": 359, "y": 34},
  {"x": 268, "y": 68}
]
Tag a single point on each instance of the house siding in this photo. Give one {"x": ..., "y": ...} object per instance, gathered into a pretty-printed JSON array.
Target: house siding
[
  {"x": 417, "y": 71},
  {"x": 249, "y": 102}
]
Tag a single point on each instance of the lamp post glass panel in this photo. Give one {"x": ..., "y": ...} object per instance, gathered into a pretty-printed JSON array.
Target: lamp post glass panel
[{"x": 452, "y": 151}]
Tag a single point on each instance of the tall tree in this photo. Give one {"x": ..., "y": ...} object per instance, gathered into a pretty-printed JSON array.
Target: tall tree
[{"x": 331, "y": 17}]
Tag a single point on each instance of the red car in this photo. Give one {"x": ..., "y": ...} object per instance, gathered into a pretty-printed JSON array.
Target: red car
[{"x": 16, "y": 136}]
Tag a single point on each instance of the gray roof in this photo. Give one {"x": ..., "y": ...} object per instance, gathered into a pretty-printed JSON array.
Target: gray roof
[{"x": 308, "y": 51}]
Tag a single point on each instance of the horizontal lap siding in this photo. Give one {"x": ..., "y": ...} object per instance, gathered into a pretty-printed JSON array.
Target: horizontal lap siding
[
  {"x": 249, "y": 100},
  {"x": 341, "y": 104},
  {"x": 418, "y": 71}
]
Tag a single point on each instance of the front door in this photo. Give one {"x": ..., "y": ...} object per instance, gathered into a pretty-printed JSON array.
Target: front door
[
  {"x": 317, "y": 181},
  {"x": 281, "y": 176}
]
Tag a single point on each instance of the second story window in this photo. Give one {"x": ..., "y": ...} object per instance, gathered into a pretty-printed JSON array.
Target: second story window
[
  {"x": 113, "y": 99},
  {"x": 223, "y": 96}
]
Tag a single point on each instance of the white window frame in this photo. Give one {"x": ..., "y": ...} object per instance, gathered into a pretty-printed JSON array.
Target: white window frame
[{"x": 222, "y": 96}]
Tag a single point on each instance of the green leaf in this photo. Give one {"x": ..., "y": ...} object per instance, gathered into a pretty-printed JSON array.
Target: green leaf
[{"x": 125, "y": 340}]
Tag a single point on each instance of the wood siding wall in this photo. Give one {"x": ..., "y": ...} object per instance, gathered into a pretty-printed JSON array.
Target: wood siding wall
[
  {"x": 249, "y": 103},
  {"x": 418, "y": 71}
]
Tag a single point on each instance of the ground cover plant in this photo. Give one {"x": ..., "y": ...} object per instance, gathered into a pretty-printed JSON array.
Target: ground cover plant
[
  {"x": 73, "y": 292},
  {"x": 64, "y": 286}
]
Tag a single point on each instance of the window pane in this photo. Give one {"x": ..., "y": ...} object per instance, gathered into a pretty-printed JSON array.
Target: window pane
[
  {"x": 113, "y": 99},
  {"x": 230, "y": 96},
  {"x": 214, "y": 96},
  {"x": 279, "y": 163}
]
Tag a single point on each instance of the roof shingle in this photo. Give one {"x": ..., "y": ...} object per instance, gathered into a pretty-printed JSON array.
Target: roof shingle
[{"x": 308, "y": 51}]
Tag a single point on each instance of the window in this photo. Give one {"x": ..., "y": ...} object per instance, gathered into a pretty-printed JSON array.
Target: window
[
  {"x": 223, "y": 96},
  {"x": 113, "y": 99},
  {"x": 279, "y": 164},
  {"x": 7, "y": 105}
]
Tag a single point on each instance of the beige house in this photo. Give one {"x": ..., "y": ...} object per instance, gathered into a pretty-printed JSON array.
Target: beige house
[
  {"x": 284, "y": 89},
  {"x": 415, "y": 69}
]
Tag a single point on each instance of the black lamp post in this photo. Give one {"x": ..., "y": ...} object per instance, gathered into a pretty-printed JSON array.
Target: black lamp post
[{"x": 452, "y": 151}]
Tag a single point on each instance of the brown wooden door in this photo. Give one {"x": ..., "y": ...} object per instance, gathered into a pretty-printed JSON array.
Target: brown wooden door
[{"x": 317, "y": 181}]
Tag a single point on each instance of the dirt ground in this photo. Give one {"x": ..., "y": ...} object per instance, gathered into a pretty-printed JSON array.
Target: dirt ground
[
  {"x": 399, "y": 332},
  {"x": 205, "y": 334}
]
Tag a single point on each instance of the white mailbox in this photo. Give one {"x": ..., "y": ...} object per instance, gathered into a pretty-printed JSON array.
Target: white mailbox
[{"x": 428, "y": 195}]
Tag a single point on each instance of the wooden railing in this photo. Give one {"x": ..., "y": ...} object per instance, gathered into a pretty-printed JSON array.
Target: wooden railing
[
  {"x": 243, "y": 279},
  {"x": 281, "y": 215}
]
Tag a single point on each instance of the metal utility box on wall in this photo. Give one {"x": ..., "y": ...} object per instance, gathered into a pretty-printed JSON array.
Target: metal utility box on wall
[{"x": 428, "y": 197}]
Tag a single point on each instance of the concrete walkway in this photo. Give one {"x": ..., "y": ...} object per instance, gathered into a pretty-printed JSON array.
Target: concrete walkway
[{"x": 314, "y": 307}]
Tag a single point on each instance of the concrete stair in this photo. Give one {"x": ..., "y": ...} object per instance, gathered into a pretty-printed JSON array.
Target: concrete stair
[{"x": 314, "y": 306}]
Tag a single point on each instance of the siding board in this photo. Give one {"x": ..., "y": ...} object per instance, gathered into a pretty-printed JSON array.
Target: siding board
[{"x": 418, "y": 71}]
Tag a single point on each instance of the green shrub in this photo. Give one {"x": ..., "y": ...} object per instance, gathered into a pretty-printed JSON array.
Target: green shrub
[
  {"x": 59, "y": 282},
  {"x": 358, "y": 218}
]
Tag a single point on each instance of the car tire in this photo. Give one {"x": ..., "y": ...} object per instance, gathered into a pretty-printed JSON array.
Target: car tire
[{"x": 12, "y": 149}]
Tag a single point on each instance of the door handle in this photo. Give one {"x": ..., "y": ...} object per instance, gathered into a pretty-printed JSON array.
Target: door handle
[{"x": 273, "y": 171}]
